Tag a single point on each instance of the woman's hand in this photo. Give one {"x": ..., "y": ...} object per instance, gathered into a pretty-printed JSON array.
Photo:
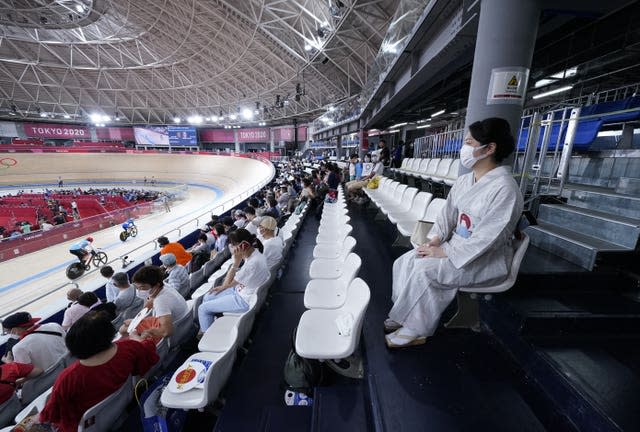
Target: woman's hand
[
  {"x": 435, "y": 241},
  {"x": 431, "y": 251},
  {"x": 216, "y": 289}
]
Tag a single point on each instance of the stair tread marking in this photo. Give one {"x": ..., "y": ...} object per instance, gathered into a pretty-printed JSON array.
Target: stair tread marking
[
  {"x": 606, "y": 192},
  {"x": 580, "y": 239},
  {"x": 596, "y": 213}
]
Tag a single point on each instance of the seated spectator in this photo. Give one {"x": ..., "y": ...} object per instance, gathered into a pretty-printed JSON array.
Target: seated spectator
[
  {"x": 272, "y": 209},
  {"x": 221, "y": 239},
  {"x": 73, "y": 295},
  {"x": 74, "y": 312},
  {"x": 182, "y": 256},
  {"x": 59, "y": 219},
  {"x": 200, "y": 253},
  {"x": 240, "y": 219},
  {"x": 283, "y": 199},
  {"x": 471, "y": 243},
  {"x": 272, "y": 243},
  {"x": 126, "y": 300},
  {"x": 252, "y": 220},
  {"x": 229, "y": 224},
  {"x": 110, "y": 289},
  {"x": 255, "y": 203},
  {"x": 167, "y": 304},
  {"x": 39, "y": 345},
  {"x": 308, "y": 191},
  {"x": 102, "y": 368},
  {"x": 177, "y": 276},
  {"x": 238, "y": 286},
  {"x": 12, "y": 375},
  {"x": 45, "y": 225},
  {"x": 357, "y": 185}
]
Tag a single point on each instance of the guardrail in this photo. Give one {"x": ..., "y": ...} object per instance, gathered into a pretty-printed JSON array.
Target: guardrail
[{"x": 218, "y": 208}]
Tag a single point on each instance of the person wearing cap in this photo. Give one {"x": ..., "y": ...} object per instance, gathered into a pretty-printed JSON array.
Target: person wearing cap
[
  {"x": 272, "y": 243},
  {"x": 182, "y": 256},
  {"x": 39, "y": 345},
  {"x": 177, "y": 276}
]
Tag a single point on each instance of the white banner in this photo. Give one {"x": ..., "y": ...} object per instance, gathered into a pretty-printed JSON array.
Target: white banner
[{"x": 8, "y": 129}]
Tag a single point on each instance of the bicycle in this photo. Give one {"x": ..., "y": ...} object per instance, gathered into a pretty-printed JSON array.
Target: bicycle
[
  {"x": 77, "y": 269},
  {"x": 131, "y": 231}
]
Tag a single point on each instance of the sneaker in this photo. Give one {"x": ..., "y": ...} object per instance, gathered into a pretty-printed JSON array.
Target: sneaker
[{"x": 292, "y": 398}]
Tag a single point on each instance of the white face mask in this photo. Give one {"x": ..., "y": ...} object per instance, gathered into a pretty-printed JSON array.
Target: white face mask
[{"x": 467, "y": 159}]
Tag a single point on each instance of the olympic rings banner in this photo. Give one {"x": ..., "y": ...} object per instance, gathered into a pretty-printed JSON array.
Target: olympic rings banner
[{"x": 48, "y": 130}]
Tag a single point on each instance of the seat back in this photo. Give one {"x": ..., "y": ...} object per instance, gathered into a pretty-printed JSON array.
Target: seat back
[
  {"x": 453, "y": 169},
  {"x": 423, "y": 165},
  {"x": 434, "y": 209},
  {"x": 397, "y": 196},
  {"x": 195, "y": 280},
  {"x": 443, "y": 167},
  {"x": 433, "y": 166},
  {"x": 416, "y": 164},
  {"x": 32, "y": 388},
  {"x": 520, "y": 247},
  {"x": 407, "y": 199},
  {"x": 246, "y": 320},
  {"x": 352, "y": 263},
  {"x": 420, "y": 205},
  {"x": 181, "y": 329},
  {"x": 404, "y": 163},
  {"x": 9, "y": 409},
  {"x": 348, "y": 244},
  {"x": 358, "y": 296},
  {"x": 105, "y": 414}
]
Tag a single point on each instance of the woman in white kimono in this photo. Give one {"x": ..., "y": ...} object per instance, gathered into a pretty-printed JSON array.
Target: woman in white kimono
[{"x": 470, "y": 242}]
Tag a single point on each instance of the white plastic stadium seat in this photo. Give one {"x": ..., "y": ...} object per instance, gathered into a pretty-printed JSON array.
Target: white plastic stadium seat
[
  {"x": 329, "y": 293},
  {"x": 321, "y": 268},
  {"x": 417, "y": 210},
  {"x": 318, "y": 335},
  {"x": 434, "y": 209},
  {"x": 105, "y": 414},
  {"x": 333, "y": 251}
]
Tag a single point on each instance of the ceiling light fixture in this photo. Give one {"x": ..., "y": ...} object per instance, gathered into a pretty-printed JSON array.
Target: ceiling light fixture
[
  {"x": 399, "y": 125},
  {"x": 436, "y": 114},
  {"x": 552, "y": 92}
]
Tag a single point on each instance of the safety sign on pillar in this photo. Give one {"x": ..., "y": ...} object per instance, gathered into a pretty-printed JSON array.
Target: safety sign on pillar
[{"x": 508, "y": 85}]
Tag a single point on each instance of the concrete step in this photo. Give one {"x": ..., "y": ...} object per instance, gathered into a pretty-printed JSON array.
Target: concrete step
[
  {"x": 621, "y": 230},
  {"x": 628, "y": 186},
  {"x": 578, "y": 248},
  {"x": 609, "y": 202}
]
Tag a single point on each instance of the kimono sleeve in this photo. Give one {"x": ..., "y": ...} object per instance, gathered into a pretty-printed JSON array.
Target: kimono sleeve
[{"x": 496, "y": 226}]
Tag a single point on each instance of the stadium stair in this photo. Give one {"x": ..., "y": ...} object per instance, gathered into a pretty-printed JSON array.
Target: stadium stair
[{"x": 591, "y": 228}]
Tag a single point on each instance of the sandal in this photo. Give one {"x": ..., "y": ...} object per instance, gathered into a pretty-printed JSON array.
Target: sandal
[
  {"x": 398, "y": 340},
  {"x": 391, "y": 325}
]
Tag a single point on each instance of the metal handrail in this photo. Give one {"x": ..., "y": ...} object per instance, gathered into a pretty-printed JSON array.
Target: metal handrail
[{"x": 219, "y": 207}]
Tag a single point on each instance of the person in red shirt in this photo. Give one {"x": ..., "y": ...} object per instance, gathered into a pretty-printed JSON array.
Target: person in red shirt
[
  {"x": 12, "y": 375},
  {"x": 102, "y": 368},
  {"x": 182, "y": 256}
]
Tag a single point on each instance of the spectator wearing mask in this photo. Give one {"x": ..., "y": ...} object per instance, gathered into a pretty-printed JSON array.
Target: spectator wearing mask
[
  {"x": 177, "y": 276},
  {"x": 167, "y": 304},
  {"x": 182, "y": 256},
  {"x": 272, "y": 244},
  {"x": 39, "y": 345},
  {"x": 126, "y": 299},
  {"x": 252, "y": 220},
  {"x": 240, "y": 219}
]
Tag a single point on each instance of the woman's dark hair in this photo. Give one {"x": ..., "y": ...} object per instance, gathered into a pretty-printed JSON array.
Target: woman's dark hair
[
  {"x": 272, "y": 202},
  {"x": 306, "y": 182},
  {"x": 120, "y": 279},
  {"x": 90, "y": 335},
  {"x": 152, "y": 275},
  {"x": 241, "y": 235},
  {"x": 163, "y": 241},
  {"x": 87, "y": 299},
  {"x": 203, "y": 237},
  {"x": 107, "y": 271},
  {"x": 219, "y": 229},
  {"x": 494, "y": 130},
  {"x": 249, "y": 210}
]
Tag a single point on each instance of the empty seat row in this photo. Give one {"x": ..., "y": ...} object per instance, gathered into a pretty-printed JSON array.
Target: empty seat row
[
  {"x": 219, "y": 344},
  {"x": 335, "y": 298},
  {"x": 433, "y": 170},
  {"x": 405, "y": 206}
]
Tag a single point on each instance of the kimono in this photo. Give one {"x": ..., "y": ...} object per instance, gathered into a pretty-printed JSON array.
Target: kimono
[{"x": 476, "y": 227}]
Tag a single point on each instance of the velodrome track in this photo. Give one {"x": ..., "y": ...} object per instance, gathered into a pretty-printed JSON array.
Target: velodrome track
[{"x": 32, "y": 279}]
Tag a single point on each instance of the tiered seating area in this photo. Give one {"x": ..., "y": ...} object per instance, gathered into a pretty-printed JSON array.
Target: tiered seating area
[{"x": 437, "y": 171}]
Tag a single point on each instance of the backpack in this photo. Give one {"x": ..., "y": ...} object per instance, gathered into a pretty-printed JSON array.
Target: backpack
[{"x": 301, "y": 374}]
